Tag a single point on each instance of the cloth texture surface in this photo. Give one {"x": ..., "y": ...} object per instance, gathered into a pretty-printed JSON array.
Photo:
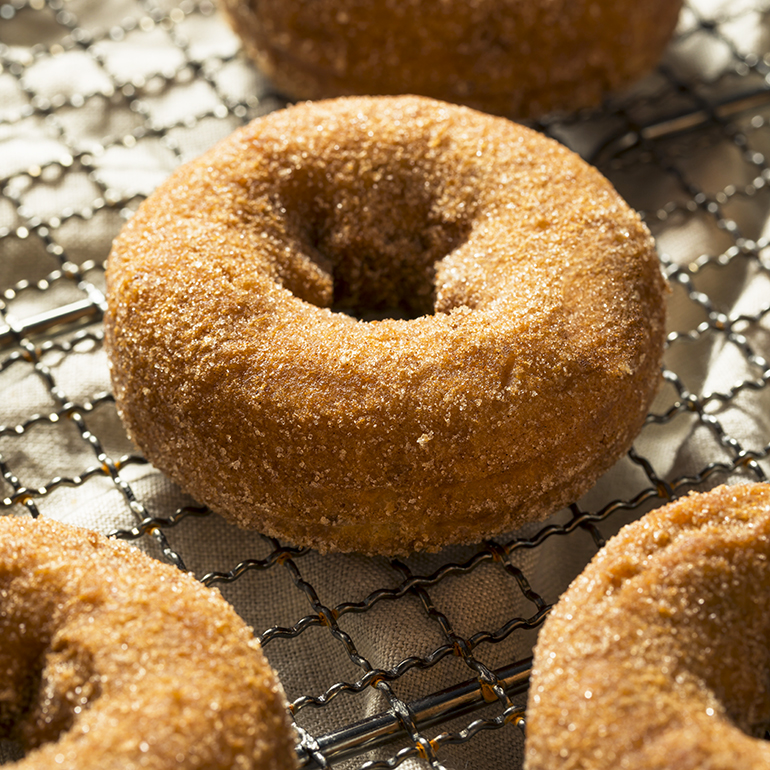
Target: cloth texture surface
[{"x": 99, "y": 102}]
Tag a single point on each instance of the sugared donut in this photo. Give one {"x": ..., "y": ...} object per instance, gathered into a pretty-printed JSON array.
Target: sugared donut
[
  {"x": 112, "y": 660},
  {"x": 657, "y": 656},
  {"x": 518, "y": 58},
  {"x": 525, "y": 370}
]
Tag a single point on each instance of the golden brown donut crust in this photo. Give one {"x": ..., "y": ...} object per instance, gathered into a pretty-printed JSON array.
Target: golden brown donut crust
[
  {"x": 657, "y": 655},
  {"x": 115, "y": 661},
  {"x": 528, "y": 374},
  {"x": 519, "y": 58}
]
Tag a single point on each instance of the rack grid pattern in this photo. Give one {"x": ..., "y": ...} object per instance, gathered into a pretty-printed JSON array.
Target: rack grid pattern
[{"x": 89, "y": 125}]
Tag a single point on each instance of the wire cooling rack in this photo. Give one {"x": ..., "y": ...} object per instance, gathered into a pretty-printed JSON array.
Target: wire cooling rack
[{"x": 100, "y": 101}]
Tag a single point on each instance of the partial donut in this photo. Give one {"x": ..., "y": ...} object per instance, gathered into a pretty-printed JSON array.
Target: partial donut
[
  {"x": 524, "y": 369},
  {"x": 657, "y": 656},
  {"x": 112, "y": 660},
  {"x": 519, "y": 58}
]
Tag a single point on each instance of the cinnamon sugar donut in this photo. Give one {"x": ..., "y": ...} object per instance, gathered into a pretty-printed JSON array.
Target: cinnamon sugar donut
[
  {"x": 657, "y": 656},
  {"x": 524, "y": 370},
  {"x": 111, "y": 659},
  {"x": 519, "y": 58}
]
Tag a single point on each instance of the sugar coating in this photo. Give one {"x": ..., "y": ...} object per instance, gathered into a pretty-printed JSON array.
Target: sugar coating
[
  {"x": 519, "y": 58},
  {"x": 528, "y": 370},
  {"x": 656, "y": 657},
  {"x": 112, "y": 660}
]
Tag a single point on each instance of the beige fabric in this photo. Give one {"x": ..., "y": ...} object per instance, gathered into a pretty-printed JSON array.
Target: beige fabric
[{"x": 133, "y": 89}]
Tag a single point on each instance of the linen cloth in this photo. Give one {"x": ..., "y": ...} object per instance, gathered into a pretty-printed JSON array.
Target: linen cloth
[{"x": 99, "y": 102}]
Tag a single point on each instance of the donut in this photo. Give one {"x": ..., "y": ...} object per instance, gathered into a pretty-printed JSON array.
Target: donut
[
  {"x": 656, "y": 656},
  {"x": 111, "y": 659},
  {"x": 252, "y": 364},
  {"x": 519, "y": 58}
]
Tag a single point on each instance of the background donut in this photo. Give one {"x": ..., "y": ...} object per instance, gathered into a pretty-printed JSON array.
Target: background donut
[
  {"x": 708, "y": 424},
  {"x": 101, "y": 669},
  {"x": 519, "y": 58},
  {"x": 657, "y": 655},
  {"x": 526, "y": 370}
]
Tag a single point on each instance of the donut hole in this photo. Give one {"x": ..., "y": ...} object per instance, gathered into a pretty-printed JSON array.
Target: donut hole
[
  {"x": 392, "y": 276},
  {"x": 42, "y": 700},
  {"x": 47, "y": 680},
  {"x": 23, "y": 675},
  {"x": 366, "y": 240},
  {"x": 10, "y": 751}
]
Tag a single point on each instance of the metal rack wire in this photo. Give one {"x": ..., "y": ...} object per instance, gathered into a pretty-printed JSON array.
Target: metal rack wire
[{"x": 81, "y": 112}]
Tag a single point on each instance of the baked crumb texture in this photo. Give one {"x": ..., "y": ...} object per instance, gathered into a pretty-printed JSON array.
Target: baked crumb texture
[
  {"x": 519, "y": 58},
  {"x": 115, "y": 661},
  {"x": 657, "y": 656},
  {"x": 525, "y": 365}
]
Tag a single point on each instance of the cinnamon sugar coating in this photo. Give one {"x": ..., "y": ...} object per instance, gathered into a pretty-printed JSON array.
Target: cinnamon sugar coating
[
  {"x": 656, "y": 657},
  {"x": 526, "y": 373},
  {"x": 519, "y": 58},
  {"x": 115, "y": 661}
]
